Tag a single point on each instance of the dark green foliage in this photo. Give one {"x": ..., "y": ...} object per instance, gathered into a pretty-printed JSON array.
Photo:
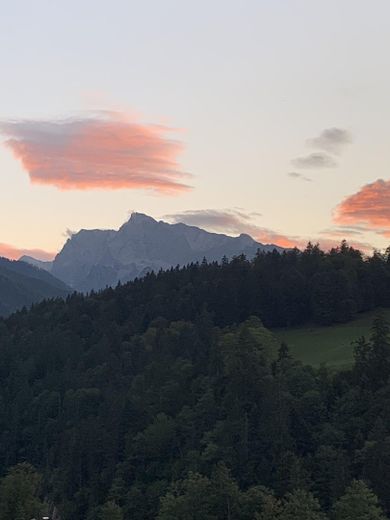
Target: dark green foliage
[
  {"x": 372, "y": 359},
  {"x": 283, "y": 289},
  {"x": 301, "y": 504},
  {"x": 111, "y": 511},
  {"x": 271, "y": 509},
  {"x": 358, "y": 503},
  {"x": 215, "y": 498},
  {"x": 140, "y": 402},
  {"x": 19, "y": 494}
]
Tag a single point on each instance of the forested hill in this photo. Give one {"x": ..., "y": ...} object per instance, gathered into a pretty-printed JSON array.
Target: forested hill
[
  {"x": 22, "y": 284},
  {"x": 283, "y": 289},
  {"x": 163, "y": 400}
]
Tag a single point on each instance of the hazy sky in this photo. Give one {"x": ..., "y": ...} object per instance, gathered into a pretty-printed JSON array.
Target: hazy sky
[{"x": 263, "y": 116}]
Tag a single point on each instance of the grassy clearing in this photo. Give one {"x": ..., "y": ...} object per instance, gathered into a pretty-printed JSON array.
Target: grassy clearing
[{"x": 332, "y": 345}]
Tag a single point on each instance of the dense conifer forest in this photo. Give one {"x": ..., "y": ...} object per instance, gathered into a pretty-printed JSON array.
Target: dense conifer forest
[{"x": 168, "y": 398}]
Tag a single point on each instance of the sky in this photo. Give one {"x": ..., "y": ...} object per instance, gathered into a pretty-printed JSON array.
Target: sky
[{"x": 253, "y": 116}]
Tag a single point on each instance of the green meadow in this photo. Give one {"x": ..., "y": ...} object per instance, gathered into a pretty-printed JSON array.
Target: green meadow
[{"x": 333, "y": 345}]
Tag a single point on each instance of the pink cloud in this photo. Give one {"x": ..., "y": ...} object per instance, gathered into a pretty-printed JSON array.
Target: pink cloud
[
  {"x": 103, "y": 151},
  {"x": 325, "y": 242},
  {"x": 14, "y": 253},
  {"x": 369, "y": 206}
]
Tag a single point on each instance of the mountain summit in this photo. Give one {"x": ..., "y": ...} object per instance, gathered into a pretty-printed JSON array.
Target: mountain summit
[{"x": 94, "y": 259}]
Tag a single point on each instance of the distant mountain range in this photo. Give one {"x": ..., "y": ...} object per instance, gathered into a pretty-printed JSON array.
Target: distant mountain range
[
  {"x": 94, "y": 259},
  {"x": 22, "y": 284},
  {"x": 42, "y": 264}
]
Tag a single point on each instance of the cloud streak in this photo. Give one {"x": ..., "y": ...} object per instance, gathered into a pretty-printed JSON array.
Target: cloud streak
[
  {"x": 100, "y": 151},
  {"x": 237, "y": 221},
  {"x": 300, "y": 176},
  {"x": 370, "y": 206},
  {"x": 343, "y": 231},
  {"x": 227, "y": 220},
  {"x": 231, "y": 221},
  {"x": 314, "y": 161}
]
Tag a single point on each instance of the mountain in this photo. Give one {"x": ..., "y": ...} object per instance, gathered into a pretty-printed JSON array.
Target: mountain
[
  {"x": 94, "y": 259},
  {"x": 42, "y": 264},
  {"x": 22, "y": 284}
]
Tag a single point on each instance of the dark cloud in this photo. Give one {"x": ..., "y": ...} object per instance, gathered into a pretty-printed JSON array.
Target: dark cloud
[
  {"x": 233, "y": 221},
  {"x": 331, "y": 140},
  {"x": 343, "y": 231},
  {"x": 314, "y": 161},
  {"x": 226, "y": 220}
]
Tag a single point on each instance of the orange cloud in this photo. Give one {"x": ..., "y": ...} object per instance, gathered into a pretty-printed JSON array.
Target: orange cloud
[
  {"x": 14, "y": 253},
  {"x": 370, "y": 206},
  {"x": 325, "y": 243},
  {"x": 268, "y": 236},
  {"x": 332, "y": 242},
  {"x": 104, "y": 151}
]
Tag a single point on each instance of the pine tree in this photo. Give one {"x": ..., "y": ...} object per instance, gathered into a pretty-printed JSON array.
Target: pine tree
[
  {"x": 111, "y": 511},
  {"x": 362, "y": 355},
  {"x": 19, "y": 494},
  {"x": 380, "y": 352},
  {"x": 271, "y": 509},
  {"x": 192, "y": 498},
  {"x": 358, "y": 503},
  {"x": 301, "y": 505}
]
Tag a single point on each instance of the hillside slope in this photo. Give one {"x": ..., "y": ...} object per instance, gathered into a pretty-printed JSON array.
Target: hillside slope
[
  {"x": 22, "y": 284},
  {"x": 332, "y": 345},
  {"x": 139, "y": 401}
]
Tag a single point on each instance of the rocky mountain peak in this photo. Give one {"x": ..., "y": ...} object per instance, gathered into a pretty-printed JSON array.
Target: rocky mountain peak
[{"x": 94, "y": 259}]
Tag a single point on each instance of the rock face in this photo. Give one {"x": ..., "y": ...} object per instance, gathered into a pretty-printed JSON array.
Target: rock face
[
  {"x": 22, "y": 284},
  {"x": 98, "y": 258}
]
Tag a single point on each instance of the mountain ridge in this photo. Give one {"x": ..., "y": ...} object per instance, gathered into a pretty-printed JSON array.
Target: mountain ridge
[
  {"x": 22, "y": 284},
  {"x": 97, "y": 258}
]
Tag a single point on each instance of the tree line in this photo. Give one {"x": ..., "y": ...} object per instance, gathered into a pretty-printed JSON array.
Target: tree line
[{"x": 282, "y": 288}]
